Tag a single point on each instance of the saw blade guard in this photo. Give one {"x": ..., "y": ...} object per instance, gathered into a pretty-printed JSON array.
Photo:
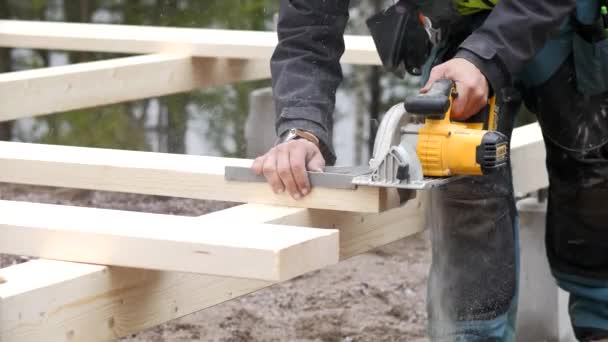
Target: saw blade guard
[{"x": 394, "y": 159}]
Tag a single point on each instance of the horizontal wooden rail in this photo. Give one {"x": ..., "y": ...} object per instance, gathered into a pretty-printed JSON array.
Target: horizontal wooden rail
[
  {"x": 165, "y": 174},
  {"x": 57, "y": 89},
  {"x": 148, "y": 39},
  {"x": 46, "y": 300},
  {"x": 203, "y": 177},
  {"x": 227, "y": 247}
]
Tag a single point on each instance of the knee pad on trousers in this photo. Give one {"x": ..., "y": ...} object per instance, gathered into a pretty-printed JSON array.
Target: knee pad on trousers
[
  {"x": 577, "y": 217},
  {"x": 575, "y": 129},
  {"x": 473, "y": 274}
]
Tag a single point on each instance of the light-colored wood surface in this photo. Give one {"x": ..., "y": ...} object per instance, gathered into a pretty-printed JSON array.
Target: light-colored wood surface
[
  {"x": 528, "y": 159},
  {"x": 359, "y": 232},
  {"x": 226, "y": 247},
  {"x": 46, "y": 300},
  {"x": 203, "y": 177},
  {"x": 148, "y": 39},
  {"x": 56, "y": 89},
  {"x": 164, "y": 174},
  {"x": 72, "y": 300},
  {"x": 57, "y": 301}
]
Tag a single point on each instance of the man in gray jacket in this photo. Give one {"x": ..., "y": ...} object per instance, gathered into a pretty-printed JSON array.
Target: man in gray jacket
[{"x": 510, "y": 48}]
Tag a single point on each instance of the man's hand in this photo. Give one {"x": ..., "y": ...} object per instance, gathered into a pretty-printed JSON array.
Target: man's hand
[
  {"x": 285, "y": 166},
  {"x": 471, "y": 85}
]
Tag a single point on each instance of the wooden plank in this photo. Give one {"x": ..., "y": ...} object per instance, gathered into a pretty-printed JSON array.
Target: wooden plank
[
  {"x": 359, "y": 232},
  {"x": 528, "y": 159},
  {"x": 164, "y": 174},
  {"x": 83, "y": 85},
  {"x": 149, "y": 39},
  {"x": 226, "y": 247},
  {"x": 47, "y": 300},
  {"x": 203, "y": 177}
]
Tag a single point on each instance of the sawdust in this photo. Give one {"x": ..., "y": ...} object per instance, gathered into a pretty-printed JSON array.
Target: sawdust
[{"x": 375, "y": 297}]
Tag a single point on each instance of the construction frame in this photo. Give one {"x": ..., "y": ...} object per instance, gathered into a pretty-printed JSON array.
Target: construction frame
[{"x": 69, "y": 293}]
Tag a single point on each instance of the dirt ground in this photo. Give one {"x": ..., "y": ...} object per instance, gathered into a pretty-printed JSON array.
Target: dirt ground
[{"x": 378, "y": 296}]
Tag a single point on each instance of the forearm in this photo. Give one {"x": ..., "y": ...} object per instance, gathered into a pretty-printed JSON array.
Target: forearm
[{"x": 306, "y": 69}]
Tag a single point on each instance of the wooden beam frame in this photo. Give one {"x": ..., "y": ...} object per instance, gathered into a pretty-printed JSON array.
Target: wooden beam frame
[
  {"x": 74, "y": 298},
  {"x": 227, "y": 247},
  {"x": 56, "y": 89},
  {"x": 54, "y": 300},
  {"x": 164, "y": 174},
  {"x": 148, "y": 39}
]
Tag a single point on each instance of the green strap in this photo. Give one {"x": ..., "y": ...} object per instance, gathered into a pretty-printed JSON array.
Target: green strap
[{"x": 466, "y": 7}]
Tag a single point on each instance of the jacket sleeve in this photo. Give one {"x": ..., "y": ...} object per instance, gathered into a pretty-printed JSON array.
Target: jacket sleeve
[
  {"x": 306, "y": 68},
  {"x": 511, "y": 35}
]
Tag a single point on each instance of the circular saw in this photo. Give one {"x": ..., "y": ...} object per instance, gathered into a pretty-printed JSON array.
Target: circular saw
[
  {"x": 418, "y": 146},
  {"x": 420, "y": 156}
]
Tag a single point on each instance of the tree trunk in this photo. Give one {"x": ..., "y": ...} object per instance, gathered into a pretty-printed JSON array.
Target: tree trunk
[
  {"x": 176, "y": 114},
  {"x": 79, "y": 12},
  {"x": 161, "y": 127},
  {"x": 375, "y": 96},
  {"x": 177, "y": 123}
]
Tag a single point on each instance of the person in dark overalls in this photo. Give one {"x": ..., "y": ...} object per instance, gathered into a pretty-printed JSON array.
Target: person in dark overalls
[{"x": 553, "y": 56}]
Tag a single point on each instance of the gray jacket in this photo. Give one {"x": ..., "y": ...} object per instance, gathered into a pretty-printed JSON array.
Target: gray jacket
[{"x": 306, "y": 71}]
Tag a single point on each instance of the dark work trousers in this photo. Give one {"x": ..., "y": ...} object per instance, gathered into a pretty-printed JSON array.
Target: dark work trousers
[
  {"x": 472, "y": 286},
  {"x": 473, "y": 279},
  {"x": 575, "y": 130}
]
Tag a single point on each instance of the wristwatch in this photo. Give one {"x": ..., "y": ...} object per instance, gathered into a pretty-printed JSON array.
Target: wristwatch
[{"x": 295, "y": 133}]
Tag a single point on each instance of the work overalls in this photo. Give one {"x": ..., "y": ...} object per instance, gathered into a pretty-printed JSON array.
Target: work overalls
[{"x": 472, "y": 291}]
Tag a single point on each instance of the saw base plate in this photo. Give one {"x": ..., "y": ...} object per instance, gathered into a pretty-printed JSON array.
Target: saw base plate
[
  {"x": 425, "y": 184},
  {"x": 342, "y": 177}
]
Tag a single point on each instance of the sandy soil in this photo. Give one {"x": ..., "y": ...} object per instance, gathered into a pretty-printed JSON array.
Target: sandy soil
[{"x": 378, "y": 296}]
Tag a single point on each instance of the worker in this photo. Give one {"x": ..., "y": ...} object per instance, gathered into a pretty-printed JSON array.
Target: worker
[{"x": 548, "y": 53}]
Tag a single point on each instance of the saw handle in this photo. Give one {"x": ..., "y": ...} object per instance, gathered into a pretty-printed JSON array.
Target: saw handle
[{"x": 435, "y": 103}]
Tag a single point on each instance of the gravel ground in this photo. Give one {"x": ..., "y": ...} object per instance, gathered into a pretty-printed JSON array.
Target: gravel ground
[{"x": 377, "y": 296}]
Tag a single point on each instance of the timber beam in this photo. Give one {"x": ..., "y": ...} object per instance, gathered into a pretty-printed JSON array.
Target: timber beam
[
  {"x": 45, "y": 300},
  {"x": 62, "y": 88},
  {"x": 227, "y": 247},
  {"x": 149, "y": 39},
  {"x": 203, "y": 177},
  {"x": 176, "y": 175}
]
